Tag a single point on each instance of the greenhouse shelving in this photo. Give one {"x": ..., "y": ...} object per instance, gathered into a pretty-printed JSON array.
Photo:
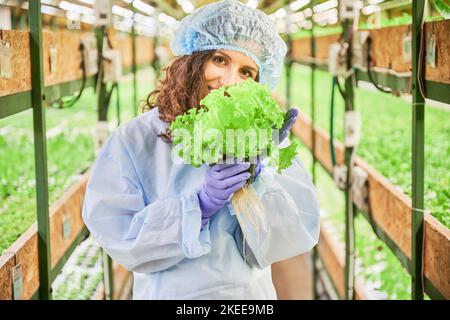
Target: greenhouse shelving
[
  {"x": 54, "y": 117},
  {"x": 397, "y": 200},
  {"x": 18, "y": 102},
  {"x": 436, "y": 91},
  {"x": 51, "y": 245},
  {"x": 21, "y": 101}
]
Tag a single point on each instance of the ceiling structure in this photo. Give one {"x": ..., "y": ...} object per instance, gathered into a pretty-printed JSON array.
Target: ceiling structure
[
  {"x": 175, "y": 7},
  {"x": 179, "y": 8},
  {"x": 151, "y": 15}
]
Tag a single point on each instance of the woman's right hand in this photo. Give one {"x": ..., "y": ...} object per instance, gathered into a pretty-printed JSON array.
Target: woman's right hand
[{"x": 221, "y": 181}]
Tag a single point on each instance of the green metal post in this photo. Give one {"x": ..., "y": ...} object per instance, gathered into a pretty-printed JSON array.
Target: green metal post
[
  {"x": 156, "y": 63},
  {"x": 53, "y": 24},
  {"x": 288, "y": 71},
  {"x": 418, "y": 133},
  {"x": 288, "y": 58},
  {"x": 108, "y": 279},
  {"x": 101, "y": 86},
  {"x": 313, "y": 99},
  {"x": 23, "y": 21},
  {"x": 153, "y": 62},
  {"x": 118, "y": 103},
  {"x": 103, "y": 116},
  {"x": 40, "y": 149},
  {"x": 134, "y": 69},
  {"x": 313, "y": 146},
  {"x": 348, "y": 159},
  {"x": 14, "y": 21}
]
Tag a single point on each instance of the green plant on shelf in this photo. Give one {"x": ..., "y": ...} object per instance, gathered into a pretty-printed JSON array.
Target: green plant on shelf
[
  {"x": 443, "y": 7},
  {"x": 385, "y": 145},
  {"x": 386, "y": 136},
  {"x": 70, "y": 153}
]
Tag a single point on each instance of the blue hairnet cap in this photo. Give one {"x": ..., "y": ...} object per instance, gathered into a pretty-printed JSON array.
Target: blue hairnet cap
[{"x": 232, "y": 25}]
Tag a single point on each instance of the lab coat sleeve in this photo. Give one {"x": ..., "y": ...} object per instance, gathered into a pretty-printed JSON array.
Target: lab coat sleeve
[
  {"x": 143, "y": 238},
  {"x": 290, "y": 218}
]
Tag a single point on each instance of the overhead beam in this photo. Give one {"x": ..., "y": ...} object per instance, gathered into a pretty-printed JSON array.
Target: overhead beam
[
  {"x": 175, "y": 12},
  {"x": 271, "y": 8}
]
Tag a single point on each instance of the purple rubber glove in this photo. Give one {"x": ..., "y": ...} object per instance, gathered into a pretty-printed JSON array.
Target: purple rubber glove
[
  {"x": 221, "y": 181},
  {"x": 258, "y": 167},
  {"x": 289, "y": 120}
]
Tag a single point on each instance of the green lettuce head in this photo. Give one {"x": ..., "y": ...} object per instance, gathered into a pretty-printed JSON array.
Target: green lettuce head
[{"x": 237, "y": 121}]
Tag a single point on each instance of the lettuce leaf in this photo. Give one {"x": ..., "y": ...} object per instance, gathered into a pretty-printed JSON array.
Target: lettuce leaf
[{"x": 203, "y": 136}]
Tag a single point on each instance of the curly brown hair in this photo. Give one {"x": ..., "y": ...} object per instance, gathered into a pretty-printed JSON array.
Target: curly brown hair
[{"x": 180, "y": 90}]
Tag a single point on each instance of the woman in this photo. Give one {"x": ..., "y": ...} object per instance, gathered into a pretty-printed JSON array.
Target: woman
[{"x": 172, "y": 224}]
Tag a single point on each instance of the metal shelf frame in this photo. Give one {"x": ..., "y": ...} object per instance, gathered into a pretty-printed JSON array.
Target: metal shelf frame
[
  {"x": 35, "y": 99},
  {"x": 435, "y": 91}
]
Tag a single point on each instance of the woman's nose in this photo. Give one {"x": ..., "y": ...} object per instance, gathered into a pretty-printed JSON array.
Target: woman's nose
[{"x": 230, "y": 78}]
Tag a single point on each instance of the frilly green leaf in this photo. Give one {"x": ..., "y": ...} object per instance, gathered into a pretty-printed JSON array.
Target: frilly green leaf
[{"x": 244, "y": 106}]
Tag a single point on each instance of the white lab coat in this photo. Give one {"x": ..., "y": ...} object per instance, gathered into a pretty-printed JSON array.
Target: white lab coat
[{"x": 142, "y": 208}]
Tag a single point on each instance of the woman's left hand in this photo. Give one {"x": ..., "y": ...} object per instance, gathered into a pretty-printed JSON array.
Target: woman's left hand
[{"x": 289, "y": 120}]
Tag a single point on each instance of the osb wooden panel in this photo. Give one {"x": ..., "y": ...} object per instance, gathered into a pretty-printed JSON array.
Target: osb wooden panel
[
  {"x": 68, "y": 59},
  {"x": 440, "y": 29},
  {"x": 333, "y": 257},
  {"x": 66, "y": 43},
  {"x": 391, "y": 210},
  {"x": 302, "y": 129},
  {"x": 123, "y": 42},
  {"x": 20, "y": 63},
  {"x": 69, "y": 205},
  {"x": 387, "y": 48},
  {"x": 437, "y": 254},
  {"x": 26, "y": 255},
  {"x": 144, "y": 50},
  {"x": 68, "y": 56},
  {"x": 323, "y": 45},
  {"x": 6, "y": 263},
  {"x": 25, "y": 248},
  {"x": 301, "y": 48},
  {"x": 333, "y": 261}
]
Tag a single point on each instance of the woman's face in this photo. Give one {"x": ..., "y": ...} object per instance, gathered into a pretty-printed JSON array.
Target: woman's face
[{"x": 227, "y": 67}]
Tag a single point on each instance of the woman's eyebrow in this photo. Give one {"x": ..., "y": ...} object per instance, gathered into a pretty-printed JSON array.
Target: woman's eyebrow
[
  {"x": 229, "y": 58},
  {"x": 224, "y": 54}
]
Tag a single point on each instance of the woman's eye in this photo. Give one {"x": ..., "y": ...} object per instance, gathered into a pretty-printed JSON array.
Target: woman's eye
[
  {"x": 219, "y": 59},
  {"x": 248, "y": 74}
]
